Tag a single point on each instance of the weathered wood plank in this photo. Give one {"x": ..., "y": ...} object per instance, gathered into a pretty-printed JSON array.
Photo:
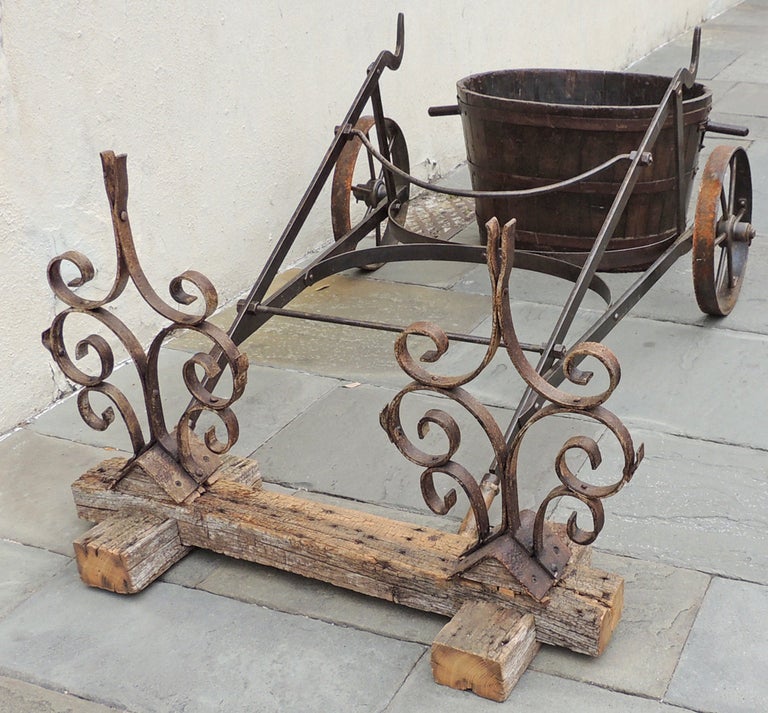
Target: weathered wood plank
[
  {"x": 400, "y": 562},
  {"x": 125, "y": 553},
  {"x": 484, "y": 648},
  {"x": 102, "y": 490}
]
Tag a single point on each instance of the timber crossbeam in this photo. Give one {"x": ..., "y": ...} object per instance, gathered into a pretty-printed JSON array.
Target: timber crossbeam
[{"x": 396, "y": 561}]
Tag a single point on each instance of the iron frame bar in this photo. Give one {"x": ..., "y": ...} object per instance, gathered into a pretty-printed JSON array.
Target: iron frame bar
[{"x": 257, "y": 308}]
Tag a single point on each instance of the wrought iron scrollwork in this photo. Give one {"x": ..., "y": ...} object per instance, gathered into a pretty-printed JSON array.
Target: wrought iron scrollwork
[
  {"x": 197, "y": 459},
  {"x": 524, "y": 541}
]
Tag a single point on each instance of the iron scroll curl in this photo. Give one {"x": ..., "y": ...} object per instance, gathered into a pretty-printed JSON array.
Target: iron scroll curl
[
  {"x": 178, "y": 441},
  {"x": 530, "y": 531}
]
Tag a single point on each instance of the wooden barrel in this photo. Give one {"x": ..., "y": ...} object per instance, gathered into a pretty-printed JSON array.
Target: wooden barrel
[{"x": 530, "y": 127}]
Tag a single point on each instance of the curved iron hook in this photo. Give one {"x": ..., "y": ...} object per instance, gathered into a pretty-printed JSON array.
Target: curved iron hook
[
  {"x": 688, "y": 77},
  {"x": 392, "y": 61}
]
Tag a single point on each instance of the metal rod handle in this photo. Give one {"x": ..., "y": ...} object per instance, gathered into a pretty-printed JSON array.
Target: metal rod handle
[
  {"x": 446, "y": 110},
  {"x": 644, "y": 159},
  {"x": 727, "y": 129}
]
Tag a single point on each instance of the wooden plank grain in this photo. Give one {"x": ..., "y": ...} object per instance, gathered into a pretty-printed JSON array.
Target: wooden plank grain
[
  {"x": 485, "y": 648},
  {"x": 126, "y": 552},
  {"x": 401, "y": 562}
]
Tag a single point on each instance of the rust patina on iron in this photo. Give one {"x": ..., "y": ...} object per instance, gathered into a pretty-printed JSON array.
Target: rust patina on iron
[
  {"x": 723, "y": 216},
  {"x": 176, "y": 459},
  {"x": 533, "y": 552},
  {"x": 668, "y": 130}
]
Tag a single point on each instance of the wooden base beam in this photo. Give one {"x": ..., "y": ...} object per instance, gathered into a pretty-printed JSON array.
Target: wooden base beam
[{"x": 400, "y": 562}]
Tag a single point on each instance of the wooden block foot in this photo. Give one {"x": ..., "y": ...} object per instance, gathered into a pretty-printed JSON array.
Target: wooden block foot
[
  {"x": 484, "y": 648},
  {"x": 125, "y": 553}
]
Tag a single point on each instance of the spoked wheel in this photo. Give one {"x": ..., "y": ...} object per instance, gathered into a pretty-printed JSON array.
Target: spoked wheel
[
  {"x": 722, "y": 231},
  {"x": 359, "y": 186}
]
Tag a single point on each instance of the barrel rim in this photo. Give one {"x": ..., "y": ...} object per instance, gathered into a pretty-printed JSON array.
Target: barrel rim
[{"x": 704, "y": 97}]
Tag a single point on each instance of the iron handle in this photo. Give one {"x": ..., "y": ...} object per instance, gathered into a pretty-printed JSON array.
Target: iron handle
[
  {"x": 728, "y": 129},
  {"x": 449, "y": 110}
]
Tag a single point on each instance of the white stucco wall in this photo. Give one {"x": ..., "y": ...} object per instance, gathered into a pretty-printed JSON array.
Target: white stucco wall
[{"x": 225, "y": 108}]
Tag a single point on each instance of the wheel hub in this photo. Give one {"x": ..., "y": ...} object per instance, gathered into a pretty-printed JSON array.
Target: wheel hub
[{"x": 371, "y": 192}]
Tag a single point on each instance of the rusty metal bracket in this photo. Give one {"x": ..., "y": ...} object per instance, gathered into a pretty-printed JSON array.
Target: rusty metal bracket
[{"x": 177, "y": 460}]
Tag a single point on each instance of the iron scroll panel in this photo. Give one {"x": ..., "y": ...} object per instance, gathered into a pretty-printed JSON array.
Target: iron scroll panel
[
  {"x": 524, "y": 543},
  {"x": 179, "y": 461}
]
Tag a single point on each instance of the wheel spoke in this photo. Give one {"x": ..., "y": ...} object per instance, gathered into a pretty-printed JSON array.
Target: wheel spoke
[
  {"x": 725, "y": 277},
  {"x": 722, "y": 269},
  {"x": 720, "y": 239},
  {"x": 723, "y": 203},
  {"x": 371, "y": 165},
  {"x": 732, "y": 185},
  {"x": 731, "y": 276}
]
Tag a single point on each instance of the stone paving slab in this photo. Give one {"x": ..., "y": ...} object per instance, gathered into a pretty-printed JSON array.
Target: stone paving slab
[
  {"x": 660, "y": 604},
  {"x": 338, "y": 448},
  {"x": 290, "y": 593},
  {"x": 25, "y": 570},
  {"x": 666, "y": 60},
  {"x": 750, "y": 64},
  {"x": 36, "y": 506},
  {"x": 758, "y": 160},
  {"x": 746, "y": 99},
  {"x": 173, "y": 649},
  {"x": 671, "y": 375},
  {"x": 429, "y": 273},
  {"x": 351, "y": 353},
  {"x": 752, "y": 13},
  {"x": 20, "y": 697},
  {"x": 672, "y": 299},
  {"x": 272, "y": 398},
  {"x": 693, "y": 504},
  {"x": 691, "y": 381},
  {"x": 719, "y": 89},
  {"x": 721, "y": 33},
  {"x": 722, "y": 669},
  {"x": 528, "y": 286},
  {"x": 193, "y": 568},
  {"x": 534, "y": 692},
  {"x": 500, "y": 384}
]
